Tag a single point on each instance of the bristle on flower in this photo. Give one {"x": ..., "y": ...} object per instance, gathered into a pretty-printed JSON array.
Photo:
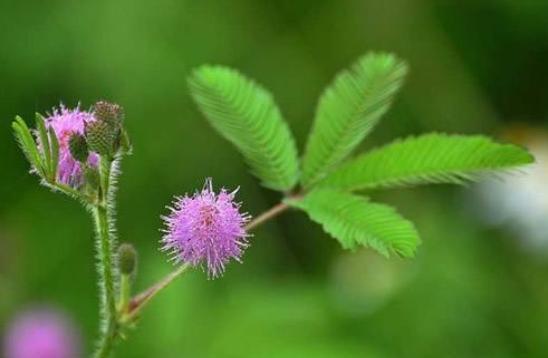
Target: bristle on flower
[{"x": 206, "y": 228}]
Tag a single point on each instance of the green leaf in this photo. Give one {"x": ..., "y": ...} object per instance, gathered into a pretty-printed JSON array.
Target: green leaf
[
  {"x": 54, "y": 144},
  {"x": 430, "y": 158},
  {"x": 45, "y": 153},
  {"x": 355, "y": 221},
  {"x": 348, "y": 110},
  {"x": 245, "y": 113},
  {"x": 28, "y": 145}
]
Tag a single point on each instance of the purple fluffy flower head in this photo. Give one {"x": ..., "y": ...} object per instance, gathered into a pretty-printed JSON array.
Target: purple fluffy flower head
[
  {"x": 206, "y": 228},
  {"x": 41, "y": 333},
  {"x": 65, "y": 122}
]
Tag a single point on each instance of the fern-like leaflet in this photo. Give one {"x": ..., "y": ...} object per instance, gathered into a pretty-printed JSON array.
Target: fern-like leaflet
[
  {"x": 348, "y": 110},
  {"x": 427, "y": 159},
  {"x": 355, "y": 221},
  {"x": 245, "y": 113}
]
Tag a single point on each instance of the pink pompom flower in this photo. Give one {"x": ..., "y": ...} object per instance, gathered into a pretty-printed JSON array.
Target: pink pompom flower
[{"x": 206, "y": 228}]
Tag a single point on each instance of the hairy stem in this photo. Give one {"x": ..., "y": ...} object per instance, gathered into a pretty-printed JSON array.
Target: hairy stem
[
  {"x": 142, "y": 299},
  {"x": 267, "y": 215},
  {"x": 106, "y": 266},
  {"x": 67, "y": 190}
]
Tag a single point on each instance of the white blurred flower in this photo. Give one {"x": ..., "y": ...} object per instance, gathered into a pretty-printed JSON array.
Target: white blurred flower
[{"x": 519, "y": 202}]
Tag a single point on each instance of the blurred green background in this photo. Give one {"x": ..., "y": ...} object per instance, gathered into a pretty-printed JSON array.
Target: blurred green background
[{"x": 474, "y": 290}]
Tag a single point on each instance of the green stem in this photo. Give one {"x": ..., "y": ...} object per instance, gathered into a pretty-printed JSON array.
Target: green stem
[
  {"x": 142, "y": 299},
  {"x": 105, "y": 243},
  {"x": 267, "y": 215},
  {"x": 125, "y": 293},
  {"x": 67, "y": 190}
]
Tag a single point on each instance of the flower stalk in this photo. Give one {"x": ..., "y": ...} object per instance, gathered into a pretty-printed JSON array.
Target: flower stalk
[
  {"x": 102, "y": 214},
  {"x": 267, "y": 215},
  {"x": 142, "y": 299}
]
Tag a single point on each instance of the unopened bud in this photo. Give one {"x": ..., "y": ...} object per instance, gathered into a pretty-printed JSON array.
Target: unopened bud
[
  {"x": 127, "y": 256},
  {"x": 108, "y": 112},
  {"x": 78, "y": 147},
  {"x": 101, "y": 137}
]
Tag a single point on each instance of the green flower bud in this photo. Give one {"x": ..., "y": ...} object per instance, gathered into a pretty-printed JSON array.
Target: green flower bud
[
  {"x": 78, "y": 147},
  {"x": 127, "y": 256},
  {"x": 101, "y": 137},
  {"x": 109, "y": 112}
]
